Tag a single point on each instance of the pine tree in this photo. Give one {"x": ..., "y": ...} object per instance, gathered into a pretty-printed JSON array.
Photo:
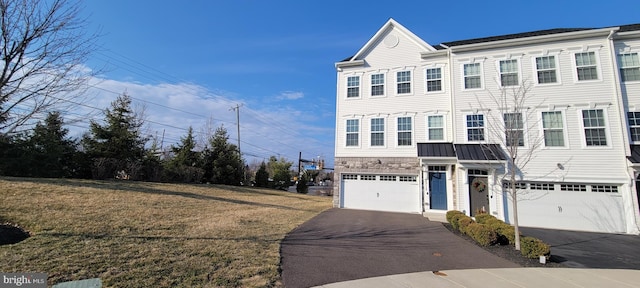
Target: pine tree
[
  {"x": 262, "y": 176},
  {"x": 52, "y": 152},
  {"x": 184, "y": 165},
  {"x": 223, "y": 160}
]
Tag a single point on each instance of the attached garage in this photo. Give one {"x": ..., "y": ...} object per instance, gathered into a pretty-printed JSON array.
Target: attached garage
[
  {"x": 597, "y": 208},
  {"x": 392, "y": 193}
]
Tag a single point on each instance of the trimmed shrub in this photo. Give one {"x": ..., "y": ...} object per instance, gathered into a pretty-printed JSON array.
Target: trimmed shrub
[
  {"x": 455, "y": 220},
  {"x": 451, "y": 213},
  {"x": 533, "y": 248},
  {"x": 482, "y": 234},
  {"x": 463, "y": 223},
  {"x": 484, "y": 217}
]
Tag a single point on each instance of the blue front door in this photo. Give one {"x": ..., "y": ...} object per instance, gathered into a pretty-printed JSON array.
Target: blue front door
[{"x": 438, "y": 190}]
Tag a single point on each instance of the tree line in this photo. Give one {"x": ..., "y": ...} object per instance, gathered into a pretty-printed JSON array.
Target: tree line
[{"x": 116, "y": 148}]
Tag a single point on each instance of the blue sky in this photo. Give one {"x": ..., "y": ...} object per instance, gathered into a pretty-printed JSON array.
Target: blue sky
[{"x": 189, "y": 62}]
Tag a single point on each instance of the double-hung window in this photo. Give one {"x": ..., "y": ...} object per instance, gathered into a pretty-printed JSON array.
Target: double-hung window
[
  {"x": 353, "y": 86},
  {"x": 634, "y": 125},
  {"x": 377, "y": 132},
  {"x": 475, "y": 127},
  {"x": 513, "y": 129},
  {"x": 434, "y": 79},
  {"x": 553, "y": 129},
  {"x": 586, "y": 66},
  {"x": 353, "y": 133},
  {"x": 509, "y": 73},
  {"x": 629, "y": 67},
  {"x": 546, "y": 69},
  {"x": 472, "y": 76},
  {"x": 435, "y": 127},
  {"x": 403, "y": 81},
  {"x": 594, "y": 127},
  {"x": 377, "y": 85},
  {"x": 404, "y": 131}
]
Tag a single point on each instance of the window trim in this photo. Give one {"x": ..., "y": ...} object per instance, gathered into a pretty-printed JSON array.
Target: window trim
[
  {"x": 411, "y": 75},
  {"x": 518, "y": 72},
  {"x": 565, "y": 135},
  {"x": 444, "y": 127},
  {"x": 621, "y": 68},
  {"x": 384, "y": 85},
  {"x": 481, "y": 74},
  {"x": 413, "y": 142},
  {"x": 607, "y": 129},
  {"x": 575, "y": 67},
  {"x": 359, "y": 87},
  {"x": 384, "y": 133},
  {"x": 466, "y": 128},
  {"x": 557, "y": 70},
  {"x": 441, "y": 79},
  {"x": 346, "y": 123}
]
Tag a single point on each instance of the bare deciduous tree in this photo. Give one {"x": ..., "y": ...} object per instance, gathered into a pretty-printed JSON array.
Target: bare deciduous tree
[{"x": 43, "y": 48}]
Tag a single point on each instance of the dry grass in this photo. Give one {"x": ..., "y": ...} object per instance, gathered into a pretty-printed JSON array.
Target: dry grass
[{"x": 133, "y": 234}]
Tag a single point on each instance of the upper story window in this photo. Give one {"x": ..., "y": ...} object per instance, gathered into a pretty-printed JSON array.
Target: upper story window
[
  {"x": 377, "y": 132},
  {"x": 472, "y": 76},
  {"x": 353, "y": 86},
  {"x": 513, "y": 129},
  {"x": 546, "y": 69},
  {"x": 634, "y": 125},
  {"x": 475, "y": 127},
  {"x": 586, "y": 66},
  {"x": 435, "y": 127},
  {"x": 404, "y": 131},
  {"x": 353, "y": 133},
  {"x": 509, "y": 73},
  {"x": 403, "y": 80},
  {"x": 595, "y": 131},
  {"x": 377, "y": 85},
  {"x": 434, "y": 79},
  {"x": 553, "y": 129},
  {"x": 629, "y": 67}
]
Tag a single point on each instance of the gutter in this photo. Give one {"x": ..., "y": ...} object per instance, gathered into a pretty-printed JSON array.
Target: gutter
[{"x": 353, "y": 63}]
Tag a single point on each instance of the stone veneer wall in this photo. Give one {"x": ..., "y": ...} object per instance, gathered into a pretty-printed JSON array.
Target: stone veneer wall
[{"x": 372, "y": 165}]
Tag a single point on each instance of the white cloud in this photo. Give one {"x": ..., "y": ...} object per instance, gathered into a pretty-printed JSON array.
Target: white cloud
[{"x": 290, "y": 95}]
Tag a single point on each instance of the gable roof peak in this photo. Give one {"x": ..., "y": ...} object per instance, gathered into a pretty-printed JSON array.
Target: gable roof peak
[{"x": 392, "y": 24}]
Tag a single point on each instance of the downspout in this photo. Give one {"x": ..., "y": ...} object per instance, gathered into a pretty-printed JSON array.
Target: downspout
[{"x": 632, "y": 228}]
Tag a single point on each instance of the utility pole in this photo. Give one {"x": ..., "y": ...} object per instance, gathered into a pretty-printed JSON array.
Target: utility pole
[{"x": 237, "y": 109}]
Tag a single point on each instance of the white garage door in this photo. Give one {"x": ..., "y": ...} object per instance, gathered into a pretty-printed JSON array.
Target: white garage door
[
  {"x": 583, "y": 207},
  {"x": 393, "y": 193}
]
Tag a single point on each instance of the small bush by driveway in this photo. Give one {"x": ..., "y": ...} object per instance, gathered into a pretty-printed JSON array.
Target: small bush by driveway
[{"x": 340, "y": 245}]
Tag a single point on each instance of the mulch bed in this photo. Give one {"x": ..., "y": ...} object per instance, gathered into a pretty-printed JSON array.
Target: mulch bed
[
  {"x": 508, "y": 252},
  {"x": 11, "y": 234}
]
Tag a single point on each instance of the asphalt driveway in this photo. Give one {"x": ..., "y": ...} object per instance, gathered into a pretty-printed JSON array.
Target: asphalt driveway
[
  {"x": 590, "y": 250},
  {"x": 341, "y": 244}
]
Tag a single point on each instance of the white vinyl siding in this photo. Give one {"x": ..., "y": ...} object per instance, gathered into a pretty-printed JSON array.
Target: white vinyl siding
[
  {"x": 546, "y": 70},
  {"x": 377, "y": 85},
  {"x": 377, "y": 132},
  {"x": 472, "y": 76},
  {"x": 586, "y": 66},
  {"x": 509, "y": 73},
  {"x": 405, "y": 131},
  {"x": 629, "y": 67},
  {"x": 353, "y": 86},
  {"x": 353, "y": 133}
]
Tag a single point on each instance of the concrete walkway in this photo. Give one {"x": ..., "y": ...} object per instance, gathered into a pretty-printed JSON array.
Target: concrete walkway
[{"x": 502, "y": 277}]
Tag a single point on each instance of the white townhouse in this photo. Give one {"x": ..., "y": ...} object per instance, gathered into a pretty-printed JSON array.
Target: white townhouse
[{"x": 415, "y": 126}]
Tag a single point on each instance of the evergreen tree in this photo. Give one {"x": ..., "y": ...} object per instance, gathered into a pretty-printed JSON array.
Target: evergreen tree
[
  {"x": 118, "y": 145},
  {"x": 52, "y": 152},
  {"x": 223, "y": 159},
  {"x": 262, "y": 176},
  {"x": 281, "y": 171},
  {"x": 184, "y": 165}
]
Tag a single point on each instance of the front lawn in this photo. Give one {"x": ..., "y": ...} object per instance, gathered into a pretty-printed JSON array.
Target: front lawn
[{"x": 136, "y": 234}]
